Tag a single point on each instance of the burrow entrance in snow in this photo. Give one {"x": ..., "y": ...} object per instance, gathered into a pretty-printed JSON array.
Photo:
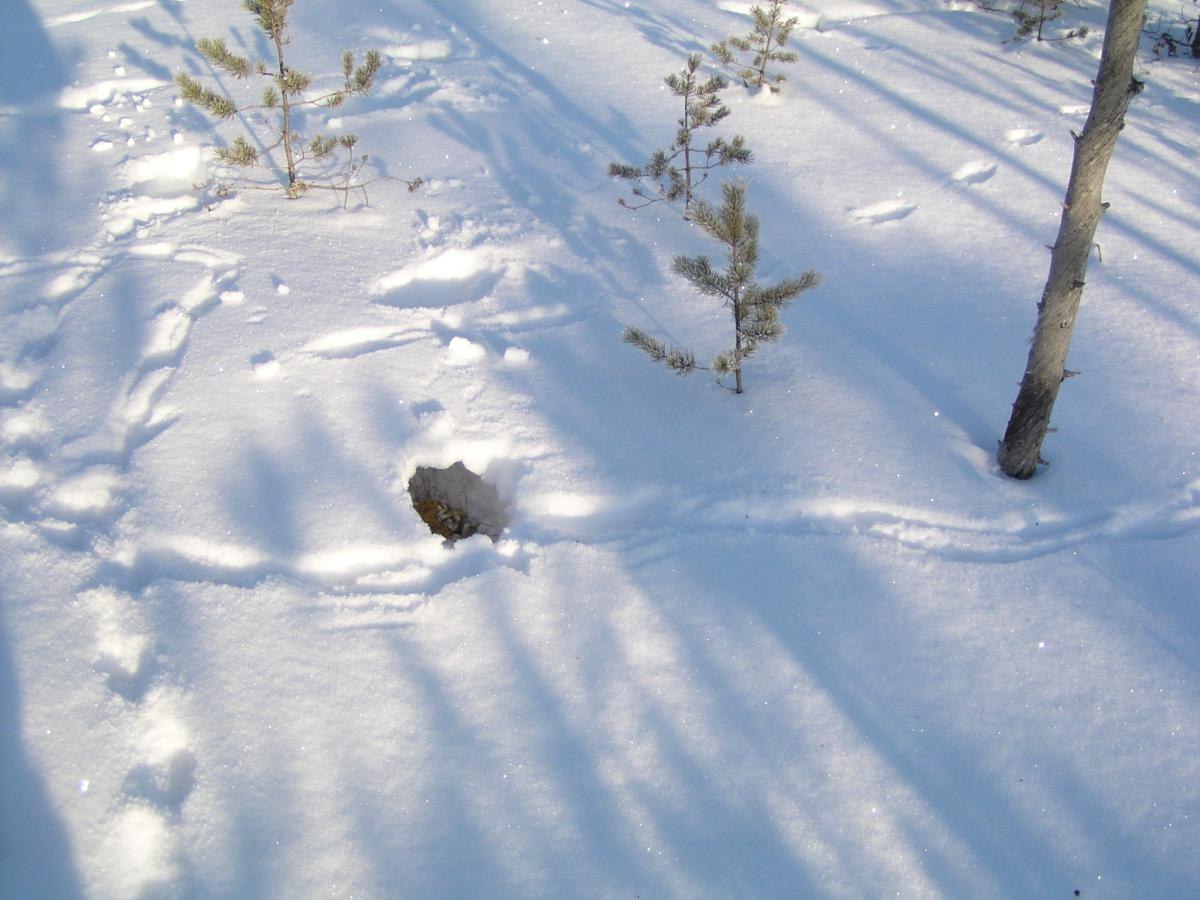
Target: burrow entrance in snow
[{"x": 456, "y": 503}]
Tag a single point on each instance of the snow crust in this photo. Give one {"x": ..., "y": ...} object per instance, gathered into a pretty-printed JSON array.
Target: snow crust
[{"x": 806, "y": 641}]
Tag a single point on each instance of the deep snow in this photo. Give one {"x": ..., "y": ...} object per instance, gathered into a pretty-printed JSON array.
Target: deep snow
[{"x": 802, "y": 642}]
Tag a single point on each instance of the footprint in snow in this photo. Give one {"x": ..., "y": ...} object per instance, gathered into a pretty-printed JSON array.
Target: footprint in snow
[
  {"x": 353, "y": 342},
  {"x": 168, "y": 337},
  {"x": 147, "y": 857},
  {"x": 265, "y": 365},
  {"x": 1023, "y": 137},
  {"x": 975, "y": 172},
  {"x": 94, "y": 496},
  {"x": 883, "y": 211},
  {"x": 144, "y": 853},
  {"x": 124, "y": 654},
  {"x": 451, "y": 277},
  {"x": 18, "y": 481},
  {"x": 167, "y": 773},
  {"x": 25, "y": 431}
]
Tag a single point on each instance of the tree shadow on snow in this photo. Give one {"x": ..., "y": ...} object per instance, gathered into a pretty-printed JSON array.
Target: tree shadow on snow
[
  {"x": 32, "y": 73},
  {"x": 36, "y": 859}
]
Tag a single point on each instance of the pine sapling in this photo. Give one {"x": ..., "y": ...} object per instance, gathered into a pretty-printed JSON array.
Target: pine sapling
[
  {"x": 284, "y": 94},
  {"x": 766, "y": 41},
  {"x": 755, "y": 308},
  {"x": 1032, "y": 15},
  {"x": 680, "y": 169}
]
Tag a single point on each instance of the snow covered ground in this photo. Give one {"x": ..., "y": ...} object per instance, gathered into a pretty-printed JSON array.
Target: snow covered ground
[{"x": 801, "y": 642}]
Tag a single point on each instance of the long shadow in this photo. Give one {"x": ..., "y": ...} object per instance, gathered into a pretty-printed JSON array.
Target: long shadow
[
  {"x": 260, "y": 501},
  {"x": 978, "y": 27},
  {"x": 694, "y": 825},
  {"x": 536, "y": 89},
  {"x": 967, "y": 799},
  {"x": 657, "y": 28},
  {"x": 32, "y": 73},
  {"x": 715, "y": 835},
  {"x": 269, "y": 486},
  {"x": 460, "y": 856},
  {"x": 36, "y": 858}
]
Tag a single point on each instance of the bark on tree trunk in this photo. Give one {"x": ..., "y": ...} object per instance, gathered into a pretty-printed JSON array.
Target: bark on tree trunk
[
  {"x": 1044, "y": 372},
  {"x": 287, "y": 115},
  {"x": 737, "y": 340}
]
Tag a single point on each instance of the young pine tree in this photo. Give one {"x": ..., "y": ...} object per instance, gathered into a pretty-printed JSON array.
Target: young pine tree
[
  {"x": 682, "y": 167},
  {"x": 1032, "y": 15},
  {"x": 281, "y": 98},
  {"x": 755, "y": 309},
  {"x": 767, "y": 40}
]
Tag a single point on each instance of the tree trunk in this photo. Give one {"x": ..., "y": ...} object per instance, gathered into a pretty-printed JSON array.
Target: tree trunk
[
  {"x": 287, "y": 115},
  {"x": 687, "y": 152},
  {"x": 737, "y": 340},
  {"x": 1115, "y": 89}
]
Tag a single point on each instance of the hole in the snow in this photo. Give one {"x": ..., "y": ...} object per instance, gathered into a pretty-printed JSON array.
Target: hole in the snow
[{"x": 456, "y": 503}]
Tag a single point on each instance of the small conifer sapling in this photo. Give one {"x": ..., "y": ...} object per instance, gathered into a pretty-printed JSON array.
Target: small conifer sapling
[
  {"x": 1032, "y": 15},
  {"x": 766, "y": 42},
  {"x": 680, "y": 169},
  {"x": 755, "y": 309},
  {"x": 284, "y": 94}
]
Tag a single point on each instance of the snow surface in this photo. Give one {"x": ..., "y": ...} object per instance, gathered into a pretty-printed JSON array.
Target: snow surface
[{"x": 801, "y": 642}]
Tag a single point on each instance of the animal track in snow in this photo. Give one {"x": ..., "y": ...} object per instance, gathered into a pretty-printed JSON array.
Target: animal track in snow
[
  {"x": 125, "y": 214},
  {"x": 144, "y": 854},
  {"x": 1005, "y": 538},
  {"x": 18, "y": 480},
  {"x": 92, "y": 496},
  {"x": 159, "y": 187},
  {"x": 124, "y": 654},
  {"x": 86, "y": 96},
  {"x": 25, "y": 429},
  {"x": 134, "y": 420},
  {"x": 533, "y": 318},
  {"x": 17, "y": 381},
  {"x": 354, "y": 342},
  {"x": 419, "y": 566},
  {"x": 167, "y": 773},
  {"x": 72, "y": 18},
  {"x": 883, "y": 211},
  {"x": 168, "y": 335},
  {"x": 419, "y": 50},
  {"x": 974, "y": 172},
  {"x": 1023, "y": 137},
  {"x": 451, "y": 277},
  {"x": 265, "y": 365}
]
